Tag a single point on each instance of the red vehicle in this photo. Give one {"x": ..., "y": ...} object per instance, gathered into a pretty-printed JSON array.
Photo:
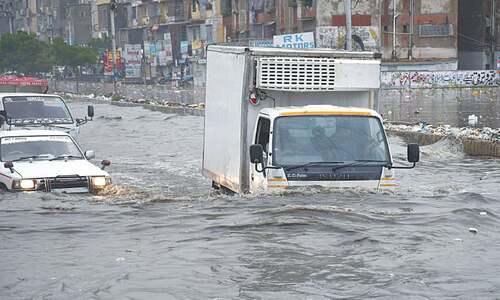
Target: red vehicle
[{"x": 10, "y": 83}]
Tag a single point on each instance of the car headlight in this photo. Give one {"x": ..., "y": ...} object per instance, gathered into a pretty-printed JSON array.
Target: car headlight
[
  {"x": 100, "y": 182},
  {"x": 24, "y": 184}
]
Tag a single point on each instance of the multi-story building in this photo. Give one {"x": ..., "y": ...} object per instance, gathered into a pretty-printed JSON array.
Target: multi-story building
[
  {"x": 410, "y": 34},
  {"x": 18, "y": 16},
  {"x": 478, "y": 32},
  {"x": 78, "y": 26}
]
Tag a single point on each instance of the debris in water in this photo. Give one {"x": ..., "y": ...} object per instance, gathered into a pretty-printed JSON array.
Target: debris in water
[
  {"x": 120, "y": 259},
  {"x": 473, "y": 230},
  {"x": 484, "y": 133},
  {"x": 459, "y": 240},
  {"x": 483, "y": 213}
]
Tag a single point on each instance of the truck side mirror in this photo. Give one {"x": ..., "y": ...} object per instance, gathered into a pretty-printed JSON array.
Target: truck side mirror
[
  {"x": 2, "y": 120},
  {"x": 413, "y": 153},
  {"x": 256, "y": 153},
  {"x": 90, "y": 111}
]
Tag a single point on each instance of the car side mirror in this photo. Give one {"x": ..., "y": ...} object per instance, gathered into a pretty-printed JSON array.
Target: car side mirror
[
  {"x": 9, "y": 165},
  {"x": 90, "y": 111},
  {"x": 413, "y": 153},
  {"x": 256, "y": 154},
  {"x": 89, "y": 154}
]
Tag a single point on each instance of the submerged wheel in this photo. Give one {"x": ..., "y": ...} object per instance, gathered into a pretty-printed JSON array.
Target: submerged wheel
[{"x": 222, "y": 189}]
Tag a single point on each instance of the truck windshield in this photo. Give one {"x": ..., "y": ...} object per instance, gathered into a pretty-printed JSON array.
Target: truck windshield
[
  {"x": 21, "y": 110},
  {"x": 38, "y": 147},
  {"x": 304, "y": 139}
]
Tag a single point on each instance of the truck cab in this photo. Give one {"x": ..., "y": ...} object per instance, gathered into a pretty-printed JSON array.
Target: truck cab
[
  {"x": 39, "y": 111},
  {"x": 320, "y": 145}
]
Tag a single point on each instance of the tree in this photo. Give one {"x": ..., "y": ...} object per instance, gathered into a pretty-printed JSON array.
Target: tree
[
  {"x": 21, "y": 52},
  {"x": 73, "y": 56}
]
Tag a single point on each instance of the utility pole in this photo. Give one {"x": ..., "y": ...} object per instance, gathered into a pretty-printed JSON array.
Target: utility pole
[
  {"x": 493, "y": 36},
  {"x": 412, "y": 14},
  {"x": 394, "y": 17},
  {"x": 113, "y": 42},
  {"x": 348, "y": 23}
]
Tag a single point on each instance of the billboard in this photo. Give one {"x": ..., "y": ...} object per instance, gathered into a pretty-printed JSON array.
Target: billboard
[
  {"x": 133, "y": 60},
  {"x": 295, "y": 40}
]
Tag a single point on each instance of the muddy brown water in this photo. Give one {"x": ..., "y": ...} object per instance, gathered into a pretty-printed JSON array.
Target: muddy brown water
[{"x": 161, "y": 233}]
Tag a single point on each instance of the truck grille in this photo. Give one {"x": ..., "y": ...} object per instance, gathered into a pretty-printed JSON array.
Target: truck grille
[
  {"x": 296, "y": 73},
  {"x": 66, "y": 182}
]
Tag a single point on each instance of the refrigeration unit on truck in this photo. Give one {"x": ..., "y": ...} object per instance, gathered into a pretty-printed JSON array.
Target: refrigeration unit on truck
[
  {"x": 281, "y": 118},
  {"x": 39, "y": 111}
]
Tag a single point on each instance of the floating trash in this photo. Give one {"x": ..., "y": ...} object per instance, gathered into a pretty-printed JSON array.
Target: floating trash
[{"x": 473, "y": 230}]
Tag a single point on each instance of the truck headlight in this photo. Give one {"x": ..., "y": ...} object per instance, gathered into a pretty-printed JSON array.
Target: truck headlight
[{"x": 100, "y": 182}]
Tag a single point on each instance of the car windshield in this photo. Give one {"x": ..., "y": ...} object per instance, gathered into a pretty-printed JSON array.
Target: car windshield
[
  {"x": 36, "y": 109},
  {"x": 38, "y": 147},
  {"x": 304, "y": 139}
]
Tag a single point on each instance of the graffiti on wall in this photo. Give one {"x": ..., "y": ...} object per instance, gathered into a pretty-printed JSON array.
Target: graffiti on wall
[
  {"x": 334, "y": 36},
  {"x": 440, "y": 79}
]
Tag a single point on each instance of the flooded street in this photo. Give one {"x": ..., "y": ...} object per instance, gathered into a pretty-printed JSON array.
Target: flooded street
[{"x": 162, "y": 234}]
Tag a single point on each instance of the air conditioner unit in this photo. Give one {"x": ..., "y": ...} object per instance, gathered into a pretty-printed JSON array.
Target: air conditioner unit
[{"x": 143, "y": 21}]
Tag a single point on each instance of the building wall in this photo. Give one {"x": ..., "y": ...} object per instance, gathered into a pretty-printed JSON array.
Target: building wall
[
  {"x": 477, "y": 42},
  {"x": 80, "y": 23},
  {"x": 372, "y": 21}
]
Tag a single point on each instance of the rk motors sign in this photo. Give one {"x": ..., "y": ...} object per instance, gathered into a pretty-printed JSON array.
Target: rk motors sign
[{"x": 296, "y": 40}]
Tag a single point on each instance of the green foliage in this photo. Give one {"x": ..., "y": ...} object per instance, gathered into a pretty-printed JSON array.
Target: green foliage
[
  {"x": 99, "y": 44},
  {"x": 23, "y": 53}
]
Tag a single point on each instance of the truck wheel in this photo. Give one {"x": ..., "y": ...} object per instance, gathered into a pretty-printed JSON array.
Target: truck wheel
[
  {"x": 215, "y": 186},
  {"x": 222, "y": 189}
]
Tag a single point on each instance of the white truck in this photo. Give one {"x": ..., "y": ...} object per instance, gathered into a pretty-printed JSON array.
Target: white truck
[
  {"x": 281, "y": 118},
  {"x": 39, "y": 111}
]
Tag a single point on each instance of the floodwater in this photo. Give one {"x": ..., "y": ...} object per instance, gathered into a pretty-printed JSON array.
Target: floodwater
[{"x": 162, "y": 234}]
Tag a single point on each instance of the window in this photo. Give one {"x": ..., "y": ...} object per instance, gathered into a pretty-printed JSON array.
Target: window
[
  {"x": 302, "y": 139},
  {"x": 263, "y": 130}
]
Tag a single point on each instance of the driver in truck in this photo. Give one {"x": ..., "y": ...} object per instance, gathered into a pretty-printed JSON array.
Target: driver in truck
[{"x": 333, "y": 146}]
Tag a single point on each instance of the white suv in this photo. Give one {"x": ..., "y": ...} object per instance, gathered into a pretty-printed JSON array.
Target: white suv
[{"x": 48, "y": 160}]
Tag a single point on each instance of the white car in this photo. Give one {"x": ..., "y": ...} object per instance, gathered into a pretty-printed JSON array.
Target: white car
[
  {"x": 48, "y": 160},
  {"x": 39, "y": 111}
]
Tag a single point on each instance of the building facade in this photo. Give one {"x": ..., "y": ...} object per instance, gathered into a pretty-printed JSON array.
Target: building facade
[{"x": 173, "y": 34}]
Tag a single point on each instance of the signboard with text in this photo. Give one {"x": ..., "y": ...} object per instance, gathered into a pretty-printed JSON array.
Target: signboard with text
[
  {"x": 296, "y": 40},
  {"x": 260, "y": 43},
  {"x": 133, "y": 60}
]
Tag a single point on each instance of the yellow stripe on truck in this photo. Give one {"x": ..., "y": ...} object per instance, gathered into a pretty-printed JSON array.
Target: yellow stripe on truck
[
  {"x": 327, "y": 113},
  {"x": 277, "y": 180},
  {"x": 389, "y": 184}
]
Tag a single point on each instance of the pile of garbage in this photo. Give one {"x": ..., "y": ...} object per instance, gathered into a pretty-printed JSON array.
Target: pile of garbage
[
  {"x": 163, "y": 103},
  {"x": 484, "y": 133}
]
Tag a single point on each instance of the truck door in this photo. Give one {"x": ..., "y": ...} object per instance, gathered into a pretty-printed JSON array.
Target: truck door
[{"x": 262, "y": 132}]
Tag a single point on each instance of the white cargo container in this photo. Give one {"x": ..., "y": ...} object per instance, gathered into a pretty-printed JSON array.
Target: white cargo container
[{"x": 273, "y": 119}]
